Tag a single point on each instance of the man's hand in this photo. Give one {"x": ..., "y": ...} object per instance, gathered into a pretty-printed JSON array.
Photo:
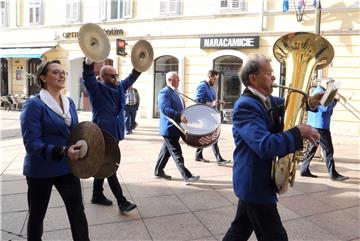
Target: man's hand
[
  {"x": 73, "y": 152},
  {"x": 309, "y": 133},
  {"x": 183, "y": 119},
  {"x": 314, "y": 100}
]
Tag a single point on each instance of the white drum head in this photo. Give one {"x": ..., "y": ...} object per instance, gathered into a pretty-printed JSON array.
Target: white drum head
[{"x": 202, "y": 119}]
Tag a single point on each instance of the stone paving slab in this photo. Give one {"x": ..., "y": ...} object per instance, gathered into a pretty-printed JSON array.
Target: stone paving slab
[{"x": 313, "y": 209}]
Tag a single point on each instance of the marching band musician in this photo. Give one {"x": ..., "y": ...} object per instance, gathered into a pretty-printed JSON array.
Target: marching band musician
[
  {"x": 171, "y": 105},
  {"x": 107, "y": 98},
  {"x": 206, "y": 94},
  {"x": 259, "y": 138},
  {"x": 321, "y": 121},
  {"x": 46, "y": 121}
]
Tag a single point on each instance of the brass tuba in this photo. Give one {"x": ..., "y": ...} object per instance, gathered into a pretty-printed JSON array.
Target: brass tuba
[{"x": 301, "y": 53}]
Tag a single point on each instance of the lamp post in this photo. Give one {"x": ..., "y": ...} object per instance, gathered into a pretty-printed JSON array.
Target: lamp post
[
  {"x": 317, "y": 26},
  {"x": 318, "y": 17}
]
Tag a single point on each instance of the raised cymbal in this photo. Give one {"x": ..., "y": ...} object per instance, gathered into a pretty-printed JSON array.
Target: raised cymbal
[
  {"x": 94, "y": 42},
  {"x": 88, "y": 165},
  {"x": 112, "y": 157},
  {"x": 142, "y": 55}
]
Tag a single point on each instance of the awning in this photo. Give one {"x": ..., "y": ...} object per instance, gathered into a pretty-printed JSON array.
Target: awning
[{"x": 23, "y": 52}]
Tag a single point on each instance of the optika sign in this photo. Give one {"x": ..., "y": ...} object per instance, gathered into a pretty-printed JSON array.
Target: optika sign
[
  {"x": 251, "y": 42},
  {"x": 109, "y": 32}
]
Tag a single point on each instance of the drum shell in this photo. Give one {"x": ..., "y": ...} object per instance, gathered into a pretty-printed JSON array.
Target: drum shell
[{"x": 205, "y": 139}]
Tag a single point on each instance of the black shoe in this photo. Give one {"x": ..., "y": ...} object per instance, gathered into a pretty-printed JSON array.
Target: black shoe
[
  {"x": 339, "y": 178},
  {"x": 163, "y": 176},
  {"x": 201, "y": 160},
  {"x": 126, "y": 207},
  {"x": 191, "y": 179},
  {"x": 101, "y": 200},
  {"x": 223, "y": 162},
  {"x": 308, "y": 174}
]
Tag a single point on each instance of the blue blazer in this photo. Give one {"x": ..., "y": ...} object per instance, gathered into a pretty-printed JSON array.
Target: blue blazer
[
  {"x": 108, "y": 102},
  {"x": 256, "y": 146},
  {"x": 170, "y": 106},
  {"x": 205, "y": 93},
  {"x": 43, "y": 130},
  {"x": 321, "y": 119}
]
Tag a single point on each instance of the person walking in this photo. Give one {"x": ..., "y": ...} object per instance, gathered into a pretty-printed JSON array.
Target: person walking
[
  {"x": 107, "y": 98},
  {"x": 132, "y": 102},
  {"x": 259, "y": 138},
  {"x": 46, "y": 122},
  {"x": 321, "y": 121},
  {"x": 171, "y": 105},
  {"x": 206, "y": 94}
]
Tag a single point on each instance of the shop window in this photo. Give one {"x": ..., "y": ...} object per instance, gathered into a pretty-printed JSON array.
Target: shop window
[
  {"x": 4, "y": 77},
  {"x": 230, "y": 5},
  {"x": 4, "y": 13},
  {"x": 229, "y": 84},
  {"x": 170, "y": 7},
  {"x": 120, "y": 9},
  {"x": 73, "y": 11},
  {"x": 31, "y": 80},
  {"x": 162, "y": 65},
  {"x": 35, "y": 12}
]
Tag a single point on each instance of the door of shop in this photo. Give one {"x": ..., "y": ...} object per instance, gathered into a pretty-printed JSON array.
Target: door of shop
[
  {"x": 163, "y": 65},
  {"x": 229, "y": 85},
  {"x": 31, "y": 77},
  {"x": 4, "y": 77}
]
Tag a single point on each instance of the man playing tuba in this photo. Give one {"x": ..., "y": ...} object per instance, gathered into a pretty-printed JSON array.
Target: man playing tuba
[{"x": 259, "y": 138}]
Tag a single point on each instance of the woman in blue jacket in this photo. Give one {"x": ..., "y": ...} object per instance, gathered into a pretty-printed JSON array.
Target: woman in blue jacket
[{"x": 46, "y": 121}]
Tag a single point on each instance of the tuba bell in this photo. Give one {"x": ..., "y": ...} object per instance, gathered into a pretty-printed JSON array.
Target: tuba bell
[{"x": 301, "y": 53}]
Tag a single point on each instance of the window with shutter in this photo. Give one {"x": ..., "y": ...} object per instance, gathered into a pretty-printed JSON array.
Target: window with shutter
[
  {"x": 120, "y": 9},
  {"x": 229, "y": 5},
  {"x": 169, "y": 7},
  {"x": 35, "y": 12},
  {"x": 73, "y": 11},
  {"x": 3, "y": 13},
  {"x": 102, "y": 9}
]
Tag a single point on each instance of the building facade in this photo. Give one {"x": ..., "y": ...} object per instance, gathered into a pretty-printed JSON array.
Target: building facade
[{"x": 187, "y": 36}]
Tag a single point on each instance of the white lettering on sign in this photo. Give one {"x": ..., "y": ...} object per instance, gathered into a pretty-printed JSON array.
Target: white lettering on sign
[{"x": 230, "y": 42}]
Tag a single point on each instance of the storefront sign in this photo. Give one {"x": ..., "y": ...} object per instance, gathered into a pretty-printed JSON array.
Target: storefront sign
[
  {"x": 248, "y": 42},
  {"x": 109, "y": 32}
]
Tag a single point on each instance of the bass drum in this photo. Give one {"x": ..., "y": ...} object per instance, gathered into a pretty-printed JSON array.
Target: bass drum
[{"x": 203, "y": 127}]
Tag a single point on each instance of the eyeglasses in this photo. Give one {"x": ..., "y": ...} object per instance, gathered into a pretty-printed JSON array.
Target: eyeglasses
[
  {"x": 59, "y": 72},
  {"x": 112, "y": 75}
]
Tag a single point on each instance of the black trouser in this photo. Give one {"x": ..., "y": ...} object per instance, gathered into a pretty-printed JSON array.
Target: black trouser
[
  {"x": 114, "y": 186},
  {"x": 215, "y": 148},
  {"x": 39, "y": 191},
  {"x": 328, "y": 153},
  {"x": 263, "y": 219},
  {"x": 171, "y": 146}
]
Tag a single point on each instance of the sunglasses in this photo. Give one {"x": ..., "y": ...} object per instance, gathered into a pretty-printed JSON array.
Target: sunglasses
[{"x": 59, "y": 72}]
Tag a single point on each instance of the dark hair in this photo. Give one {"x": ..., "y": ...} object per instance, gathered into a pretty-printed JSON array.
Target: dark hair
[
  {"x": 43, "y": 69},
  {"x": 252, "y": 66},
  {"x": 212, "y": 72}
]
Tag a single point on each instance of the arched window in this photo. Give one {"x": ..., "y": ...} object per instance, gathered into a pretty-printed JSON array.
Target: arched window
[
  {"x": 229, "y": 84},
  {"x": 163, "y": 65},
  {"x": 31, "y": 80}
]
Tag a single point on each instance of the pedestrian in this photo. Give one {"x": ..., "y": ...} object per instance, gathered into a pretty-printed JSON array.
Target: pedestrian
[
  {"x": 259, "y": 138},
  {"x": 107, "y": 98},
  {"x": 206, "y": 94},
  {"x": 321, "y": 121},
  {"x": 171, "y": 105},
  {"x": 132, "y": 102},
  {"x": 46, "y": 122}
]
